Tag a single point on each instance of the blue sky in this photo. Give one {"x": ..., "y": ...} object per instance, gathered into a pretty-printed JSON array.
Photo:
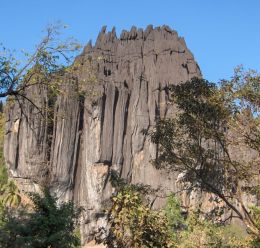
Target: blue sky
[{"x": 220, "y": 33}]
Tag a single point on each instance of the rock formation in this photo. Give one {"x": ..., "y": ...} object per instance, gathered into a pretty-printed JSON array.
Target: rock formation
[{"x": 90, "y": 134}]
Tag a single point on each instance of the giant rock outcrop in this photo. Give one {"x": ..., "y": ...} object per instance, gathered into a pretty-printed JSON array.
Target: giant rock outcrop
[{"x": 91, "y": 134}]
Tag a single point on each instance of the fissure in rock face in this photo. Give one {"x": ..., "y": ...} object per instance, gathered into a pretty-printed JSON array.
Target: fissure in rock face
[{"x": 101, "y": 130}]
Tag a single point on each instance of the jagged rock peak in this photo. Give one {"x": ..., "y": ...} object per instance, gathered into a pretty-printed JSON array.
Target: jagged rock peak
[
  {"x": 88, "y": 47},
  {"x": 134, "y": 33},
  {"x": 154, "y": 46}
]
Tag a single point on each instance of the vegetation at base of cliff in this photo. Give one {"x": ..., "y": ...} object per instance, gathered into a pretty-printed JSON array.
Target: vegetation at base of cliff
[
  {"x": 133, "y": 224},
  {"x": 47, "y": 224},
  {"x": 39, "y": 222}
]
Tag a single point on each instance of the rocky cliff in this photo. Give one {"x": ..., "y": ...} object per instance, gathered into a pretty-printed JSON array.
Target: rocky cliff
[{"x": 87, "y": 135}]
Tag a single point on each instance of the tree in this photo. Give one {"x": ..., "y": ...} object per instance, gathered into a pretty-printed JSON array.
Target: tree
[
  {"x": 48, "y": 224},
  {"x": 133, "y": 224},
  {"x": 11, "y": 194},
  {"x": 214, "y": 140},
  {"x": 43, "y": 67}
]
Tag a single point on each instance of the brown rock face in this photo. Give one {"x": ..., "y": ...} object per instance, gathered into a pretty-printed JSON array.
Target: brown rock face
[{"x": 87, "y": 139}]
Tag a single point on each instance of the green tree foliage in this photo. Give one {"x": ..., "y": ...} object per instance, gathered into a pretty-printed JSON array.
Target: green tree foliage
[
  {"x": 3, "y": 178},
  {"x": 48, "y": 224},
  {"x": 11, "y": 194},
  {"x": 214, "y": 139},
  {"x": 255, "y": 211},
  {"x": 190, "y": 230},
  {"x": 175, "y": 218},
  {"x": 133, "y": 224},
  {"x": 200, "y": 234}
]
